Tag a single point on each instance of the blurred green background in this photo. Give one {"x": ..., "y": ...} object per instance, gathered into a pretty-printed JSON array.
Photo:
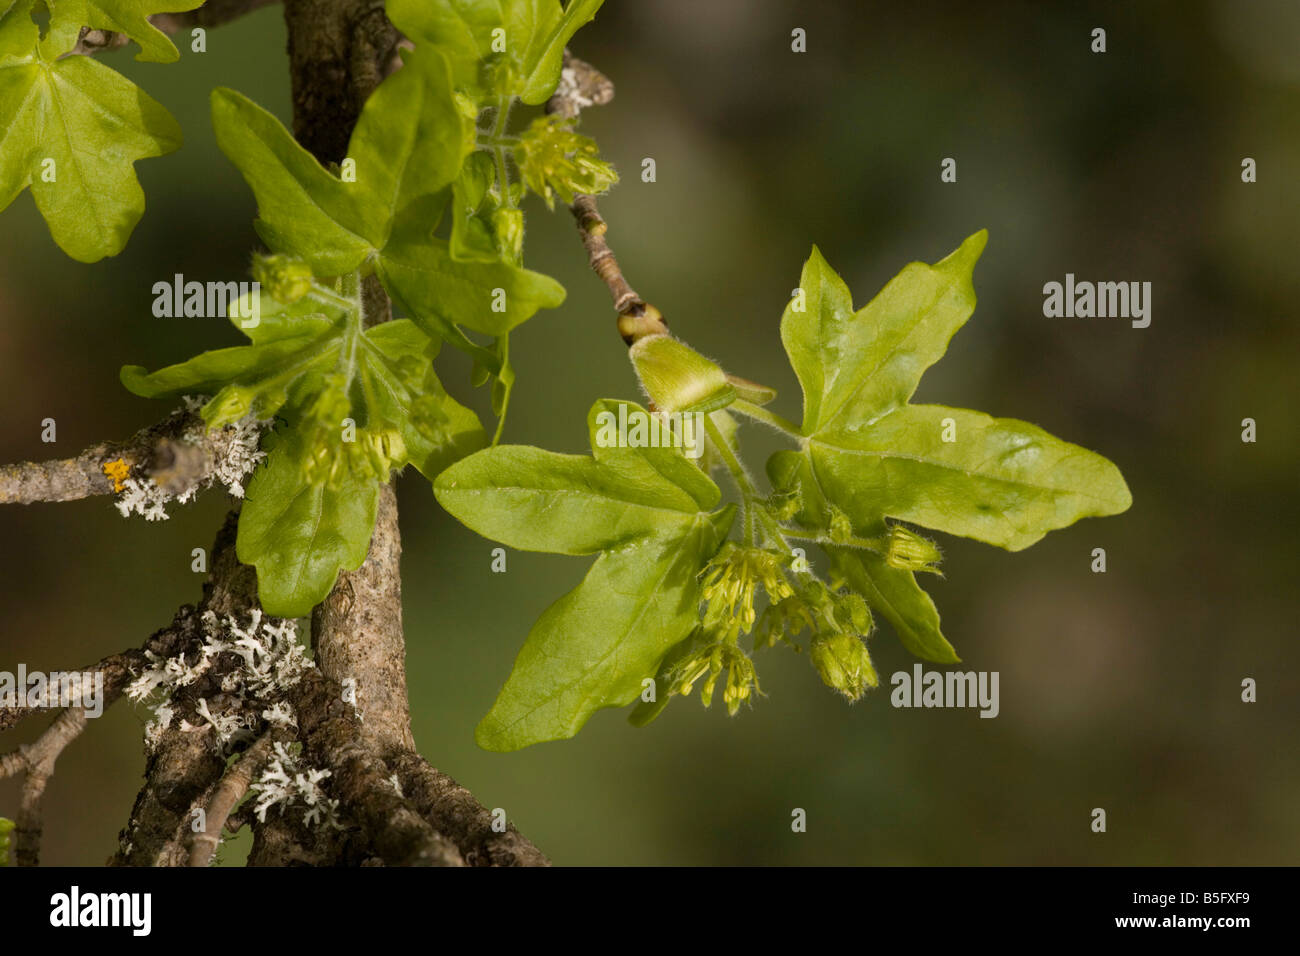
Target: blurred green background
[{"x": 1119, "y": 690}]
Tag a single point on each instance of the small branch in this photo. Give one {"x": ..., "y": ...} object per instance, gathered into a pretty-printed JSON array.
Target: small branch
[
  {"x": 582, "y": 85},
  {"x": 183, "y": 767},
  {"x": 234, "y": 784},
  {"x": 118, "y": 670},
  {"x": 159, "y": 452},
  {"x": 37, "y": 762}
]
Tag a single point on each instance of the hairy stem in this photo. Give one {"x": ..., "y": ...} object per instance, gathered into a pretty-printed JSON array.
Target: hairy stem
[{"x": 760, "y": 414}]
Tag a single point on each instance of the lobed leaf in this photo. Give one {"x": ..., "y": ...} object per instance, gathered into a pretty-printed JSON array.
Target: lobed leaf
[
  {"x": 868, "y": 455},
  {"x": 647, "y": 511},
  {"x": 856, "y": 366},
  {"x": 894, "y": 595},
  {"x": 999, "y": 480},
  {"x": 595, "y": 646},
  {"x": 93, "y": 124},
  {"x": 536, "y": 32}
]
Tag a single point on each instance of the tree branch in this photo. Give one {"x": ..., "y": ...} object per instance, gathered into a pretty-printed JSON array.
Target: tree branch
[
  {"x": 358, "y": 636},
  {"x": 582, "y": 85},
  {"x": 37, "y": 762},
  {"x": 232, "y": 788},
  {"x": 165, "y": 453},
  {"x": 455, "y": 812}
]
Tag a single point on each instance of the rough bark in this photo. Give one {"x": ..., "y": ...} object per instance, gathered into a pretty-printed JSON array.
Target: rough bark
[{"x": 358, "y": 636}]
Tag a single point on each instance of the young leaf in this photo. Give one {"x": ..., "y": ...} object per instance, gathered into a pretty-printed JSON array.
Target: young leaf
[
  {"x": 405, "y": 151},
  {"x": 997, "y": 480},
  {"x": 594, "y": 647},
  {"x": 303, "y": 209},
  {"x": 408, "y": 149},
  {"x": 895, "y": 596},
  {"x": 436, "y": 289},
  {"x": 872, "y": 455},
  {"x": 545, "y": 54},
  {"x": 358, "y": 403},
  {"x": 300, "y": 533},
  {"x": 868, "y": 455},
  {"x": 534, "y": 35},
  {"x": 855, "y": 366},
  {"x": 129, "y": 17},
  {"x": 73, "y": 129},
  {"x": 472, "y": 236},
  {"x": 647, "y": 511}
]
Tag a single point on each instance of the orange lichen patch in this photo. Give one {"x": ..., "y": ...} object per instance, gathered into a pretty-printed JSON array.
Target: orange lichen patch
[{"x": 118, "y": 471}]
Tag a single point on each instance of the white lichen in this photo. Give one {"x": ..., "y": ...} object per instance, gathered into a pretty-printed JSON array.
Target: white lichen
[
  {"x": 235, "y": 453},
  {"x": 272, "y": 662},
  {"x": 286, "y": 782}
]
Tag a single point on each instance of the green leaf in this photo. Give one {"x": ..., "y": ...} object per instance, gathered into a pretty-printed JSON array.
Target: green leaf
[
  {"x": 410, "y": 140},
  {"x": 536, "y": 500},
  {"x": 872, "y": 455},
  {"x": 895, "y": 596},
  {"x": 594, "y": 647},
  {"x": 435, "y": 428},
  {"x": 545, "y": 55},
  {"x": 93, "y": 125},
  {"x": 317, "y": 366},
  {"x": 301, "y": 534},
  {"x": 19, "y": 33},
  {"x": 437, "y": 290},
  {"x": 1000, "y": 481},
  {"x": 6, "y": 827},
  {"x": 646, "y": 511},
  {"x": 869, "y": 456},
  {"x": 408, "y": 149},
  {"x": 472, "y": 236},
  {"x": 129, "y": 17},
  {"x": 855, "y": 366},
  {"x": 536, "y": 32},
  {"x": 405, "y": 152},
  {"x": 646, "y": 712},
  {"x": 303, "y": 210}
]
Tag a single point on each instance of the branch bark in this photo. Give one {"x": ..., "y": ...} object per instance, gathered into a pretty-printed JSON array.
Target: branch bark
[
  {"x": 160, "y": 452},
  {"x": 582, "y": 85}
]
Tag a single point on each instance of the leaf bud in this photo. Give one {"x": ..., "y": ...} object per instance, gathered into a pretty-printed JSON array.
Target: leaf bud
[{"x": 679, "y": 379}]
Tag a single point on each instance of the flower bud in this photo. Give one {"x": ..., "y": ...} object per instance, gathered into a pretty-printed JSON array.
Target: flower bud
[
  {"x": 844, "y": 665},
  {"x": 911, "y": 552},
  {"x": 285, "y": 278}
]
